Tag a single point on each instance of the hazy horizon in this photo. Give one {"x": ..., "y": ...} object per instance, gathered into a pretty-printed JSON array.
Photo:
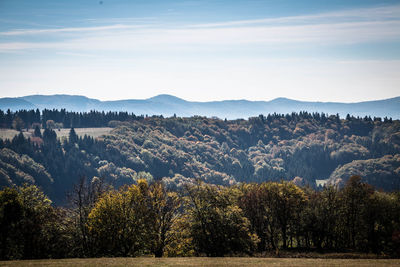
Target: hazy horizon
[
  {"x": 198, "y": 50},
  {"x": 200, "y": 101}
]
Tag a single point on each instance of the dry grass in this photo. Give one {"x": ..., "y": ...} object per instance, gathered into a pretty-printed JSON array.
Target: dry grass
[
  {"x": 9, "y": 133},
  {"x": 200, "y": 261},
  {"x": 62, "y": 133}
]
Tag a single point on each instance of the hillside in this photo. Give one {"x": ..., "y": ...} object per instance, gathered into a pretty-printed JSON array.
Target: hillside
[
  {"x": 383, "y": 172},
  {"x": 15, "y": 104},
  {"x": 301, "y": 147},
  {"x": 168, "y": 105},
  {"x": 19, "y": 169}
]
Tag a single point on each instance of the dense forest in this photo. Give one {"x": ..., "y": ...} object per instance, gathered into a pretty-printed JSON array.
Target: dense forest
[
  {"x": 200, "y": 186},
  {"x": 308, "y": 149},
  {"x": 200, "y": 220}
]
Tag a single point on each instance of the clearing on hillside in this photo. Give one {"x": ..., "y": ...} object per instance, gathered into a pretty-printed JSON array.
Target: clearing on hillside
[{"x": 64, "y": 132}]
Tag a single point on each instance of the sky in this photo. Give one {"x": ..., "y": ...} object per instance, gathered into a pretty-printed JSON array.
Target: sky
[{"x": 201, "y": 50}]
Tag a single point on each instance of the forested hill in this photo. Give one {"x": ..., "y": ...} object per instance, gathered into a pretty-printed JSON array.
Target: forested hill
[
  {"x": 168, "y": 105},
  {"x": 302, "y": 148}
]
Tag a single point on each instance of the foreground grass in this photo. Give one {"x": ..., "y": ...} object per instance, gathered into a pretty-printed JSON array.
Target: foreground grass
[{"x": 202, "y": 261}]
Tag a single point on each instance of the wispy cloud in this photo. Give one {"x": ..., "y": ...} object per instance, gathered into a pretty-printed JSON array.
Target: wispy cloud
[
  {"x": 345, "y": 27},
  {"x": 361, "y": 14},
  {"x": 70, "y": 29},
  {"x": 77, "y": 54},
  {"x": 120, "y": 20}
]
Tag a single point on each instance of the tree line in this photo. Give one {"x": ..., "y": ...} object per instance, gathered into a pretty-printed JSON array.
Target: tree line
[
  {"x": 70, "y": 119},
  {"x": 202, "y": 219},
  {"x": 55, "y": 118}
]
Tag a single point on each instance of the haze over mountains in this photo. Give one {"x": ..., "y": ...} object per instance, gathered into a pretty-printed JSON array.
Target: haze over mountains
[{"x": 168, "y": 105}]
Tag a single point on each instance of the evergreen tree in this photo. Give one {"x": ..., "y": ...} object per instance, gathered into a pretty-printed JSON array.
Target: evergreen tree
[
  {"x": 73, "y": 137},
  {"x": 37, "y": 132}
]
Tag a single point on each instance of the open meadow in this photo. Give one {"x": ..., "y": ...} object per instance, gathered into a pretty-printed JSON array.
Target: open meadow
[
  {"x": 202, "y": 261},
  {"x": 62, "y": 133}
]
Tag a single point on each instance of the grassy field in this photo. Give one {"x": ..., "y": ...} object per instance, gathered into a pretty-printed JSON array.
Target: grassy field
[
  {"x": 205, "y": 262},
  {"x": 62, "y": 133}
]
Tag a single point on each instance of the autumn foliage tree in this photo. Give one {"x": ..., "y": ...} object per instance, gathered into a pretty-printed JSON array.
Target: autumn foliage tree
[
  {"x": 118, "y": 222},
  {"x": 30, "y": 227},
  {"x": 134, "y": 220},
  {"x": 204, "y": 219},
  {"x": 164, "y": 211},
  {"x": 217, "y": 224}
]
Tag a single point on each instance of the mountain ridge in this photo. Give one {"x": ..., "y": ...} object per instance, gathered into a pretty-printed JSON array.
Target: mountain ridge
[{"x": 168, "y": 105}]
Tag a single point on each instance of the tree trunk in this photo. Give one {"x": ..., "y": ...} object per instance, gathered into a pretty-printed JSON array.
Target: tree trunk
[{"x": 159, "y": 252}]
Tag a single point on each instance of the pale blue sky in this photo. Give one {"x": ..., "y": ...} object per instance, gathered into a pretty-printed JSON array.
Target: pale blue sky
[{"x": 201, "y": 50}]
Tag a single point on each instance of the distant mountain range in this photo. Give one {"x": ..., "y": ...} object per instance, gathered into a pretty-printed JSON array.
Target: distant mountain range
[{"x": 168, "y": 105}]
